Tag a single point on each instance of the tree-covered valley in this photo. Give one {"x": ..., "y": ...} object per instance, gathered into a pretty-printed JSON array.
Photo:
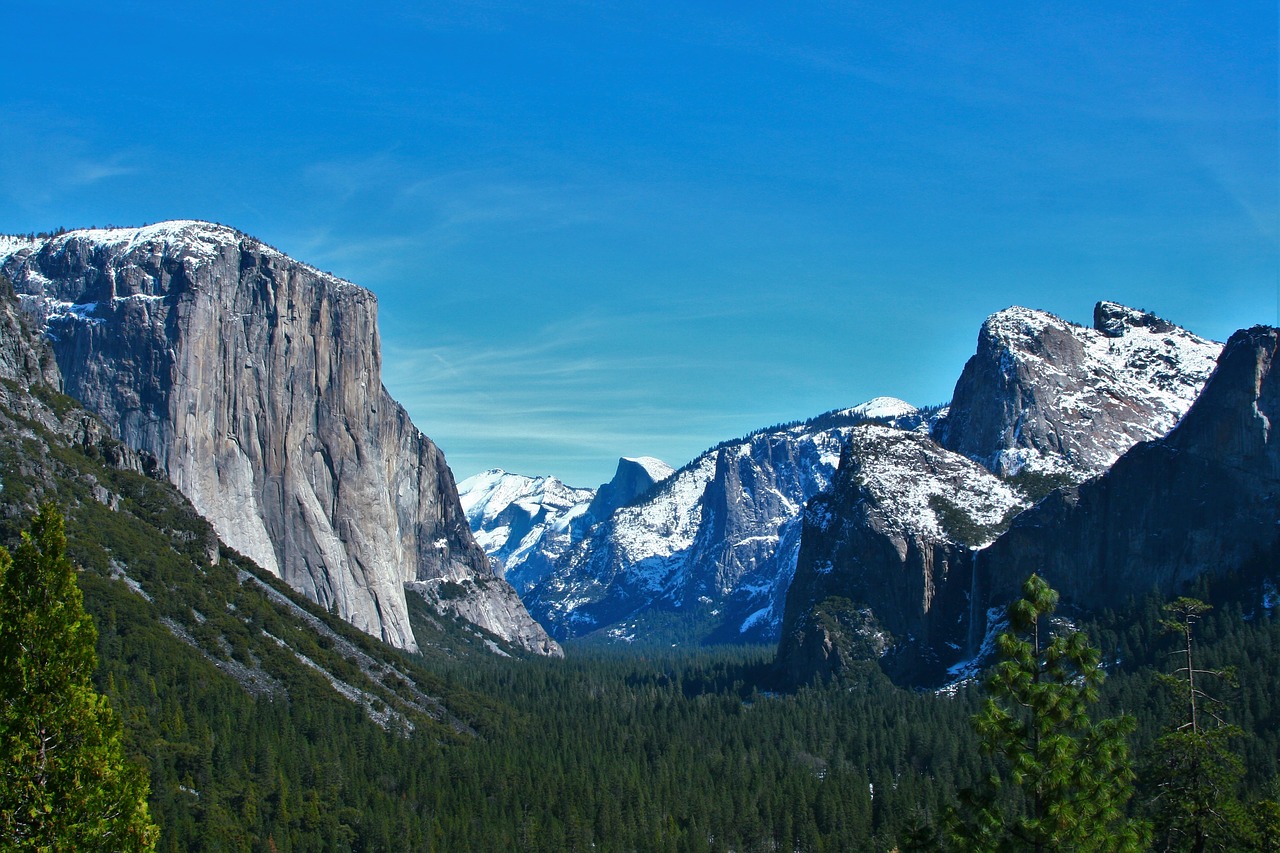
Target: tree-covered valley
[
  {"x": 263, "y": 720},
  {"x": 306, "y": 649}
]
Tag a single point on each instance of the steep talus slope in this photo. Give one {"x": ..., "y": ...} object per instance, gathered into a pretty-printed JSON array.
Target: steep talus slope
[
  {"x": 708, "y": 553},
  {"x": 255, "y": 381},
  {"x": 886, "y": 549},
  {"x": 1047, "y": 396},
  {"x": 1204, "y": 499}
]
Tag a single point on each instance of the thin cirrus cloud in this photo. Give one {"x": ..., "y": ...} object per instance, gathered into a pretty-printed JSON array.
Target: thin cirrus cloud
[
  {"x": 46, "y": 160},
  {"x": 564, "y": 399}
]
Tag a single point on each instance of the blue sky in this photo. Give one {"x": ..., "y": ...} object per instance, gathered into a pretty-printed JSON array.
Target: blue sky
[{"x": 606, "y": 229}]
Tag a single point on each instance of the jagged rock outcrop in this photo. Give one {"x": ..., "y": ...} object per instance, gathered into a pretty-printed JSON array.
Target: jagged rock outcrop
[
  {"x": 24, "y": 357},
  {"x": 707, "y": 554},
  {"x": 1041, "y": 402},
  {"x": 886, "y": 550},
  {"x": 37, "y": 420},
  {"x": 1203, "y": 499},
  {"x": 255, "y": 381},
  {"x": 523, "y": 523},
  {"x": 1047, "y": 396}
]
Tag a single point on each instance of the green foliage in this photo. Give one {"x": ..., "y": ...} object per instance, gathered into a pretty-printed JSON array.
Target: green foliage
[
  {"x": 66, "y": 784},
  {"x": 1193, "y": 775},
  {"x": 962, "y": 527},
  {"x": 1038, "y": 484},
  {"x": 1065, "y": 779}
]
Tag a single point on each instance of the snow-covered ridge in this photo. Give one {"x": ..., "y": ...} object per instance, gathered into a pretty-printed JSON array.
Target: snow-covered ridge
[
  {"x": 195, "y": 239},
  {"x": 1075, "y": 397},
  {"x": 719, "y": 535},
  {"x": 906, "y": 474},
  {"x": 522, "y": 523},
  {"x": 487, "y": 495}
]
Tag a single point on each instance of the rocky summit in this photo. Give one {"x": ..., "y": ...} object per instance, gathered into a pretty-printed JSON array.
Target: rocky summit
[
  {"x": 255, "y": 382},
  {"x": 887, "y": 562},
  {"x": 1050, "y": 397},
  {"x": 1205, "y": 499}
]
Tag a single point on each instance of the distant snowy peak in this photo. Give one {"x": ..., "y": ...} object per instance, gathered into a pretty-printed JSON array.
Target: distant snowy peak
[
  {"x": 1046, "y": 395},
  {"x": 522, "y": 523},
  {"x": 717, "y": 537},
  {"x": 883, "y": 408},
  {"x": 654, "y": 467},
  {"x": 486, "y": 496}
]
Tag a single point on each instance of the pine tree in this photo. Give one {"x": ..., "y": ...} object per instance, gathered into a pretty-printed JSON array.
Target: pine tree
[
  {"x": 1066, "y": 778},
  {"x": 1195, "y": 774},
  {"x": 64, "y": 781}
]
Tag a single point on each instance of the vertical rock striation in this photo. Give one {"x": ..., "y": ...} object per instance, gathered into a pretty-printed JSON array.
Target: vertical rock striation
[{"x": 255, "y": 380}]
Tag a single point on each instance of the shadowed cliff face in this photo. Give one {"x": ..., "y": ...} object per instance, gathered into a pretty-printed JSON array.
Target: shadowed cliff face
[
  {"x": 1203, "y": 500},
  {"x": 885, "y": 560},
  {"x": 256, "y": 382}
]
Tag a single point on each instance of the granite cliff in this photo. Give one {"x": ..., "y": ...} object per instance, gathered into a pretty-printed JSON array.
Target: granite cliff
[
  {"x": 1205, "y": 499},
  {"x": 1047, "y": 396},
  {"x": 887, "y": 549},
  {"x": 888, "y": 555},
  {"x": 255, "y": 383}
]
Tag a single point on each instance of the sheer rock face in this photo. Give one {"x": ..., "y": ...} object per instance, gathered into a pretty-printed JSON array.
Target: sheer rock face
[
  {"x": 255, "y": 381},
  {"x": 1204, "y": 499},
  {"x": 1048, "y": 396},
  {"x": 886, "y": 550}
]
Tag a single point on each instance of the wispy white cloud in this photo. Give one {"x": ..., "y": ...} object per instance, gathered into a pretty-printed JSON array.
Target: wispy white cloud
[
  {"x": 566, "y": 398},
  {"x": 47, "y": 159}
]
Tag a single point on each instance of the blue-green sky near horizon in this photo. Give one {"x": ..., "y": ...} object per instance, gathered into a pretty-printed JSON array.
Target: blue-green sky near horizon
[{"x": 608, "y": 229}]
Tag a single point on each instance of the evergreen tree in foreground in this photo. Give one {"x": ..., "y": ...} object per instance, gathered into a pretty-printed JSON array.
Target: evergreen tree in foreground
[
  {"x": 1065, "y": 779},
  {"x": 64, "y": 781},
  {"x": 1194, "y": 773}
]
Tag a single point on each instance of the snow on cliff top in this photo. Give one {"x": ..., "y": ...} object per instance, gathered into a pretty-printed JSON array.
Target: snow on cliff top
[
  {"x": 906, "y": 472},
  {"x": 199, "y": 240},
  {"x": 654, "y": 467},
  {"x": 883, "y": 407},
  {"x": 204, "y": 238},
  {"x": 1135, "y": 359}
]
